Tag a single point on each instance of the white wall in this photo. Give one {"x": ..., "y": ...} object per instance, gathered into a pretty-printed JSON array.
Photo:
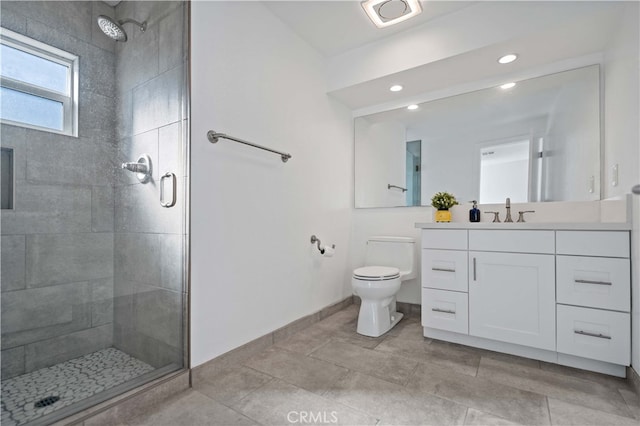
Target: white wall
[
  {"x": 622, "y": 136},
  {"x": 380, "y": 160},
  {"x": 253, "y": 267}
]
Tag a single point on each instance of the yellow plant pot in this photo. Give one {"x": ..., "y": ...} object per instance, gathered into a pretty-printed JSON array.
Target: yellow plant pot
[{"x": 443, "y": 216}]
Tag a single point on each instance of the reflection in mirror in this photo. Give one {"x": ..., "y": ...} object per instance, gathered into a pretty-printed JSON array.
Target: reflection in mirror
[
  {"x": 414, "y": 159},
  {"x": 537, "y": 141},
  {"x": 498, "y": 161}
]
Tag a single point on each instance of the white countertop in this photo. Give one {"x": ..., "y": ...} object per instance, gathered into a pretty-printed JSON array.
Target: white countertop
[{"x": 560, "y": 226}]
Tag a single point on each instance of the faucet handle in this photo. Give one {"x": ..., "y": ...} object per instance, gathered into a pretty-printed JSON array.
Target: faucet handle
[
  {"x": 496, "y": 216},
  {"x": 521, "y": 215}
]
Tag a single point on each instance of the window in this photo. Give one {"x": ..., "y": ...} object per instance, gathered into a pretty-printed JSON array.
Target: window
[{"x": 38, "y": 85}]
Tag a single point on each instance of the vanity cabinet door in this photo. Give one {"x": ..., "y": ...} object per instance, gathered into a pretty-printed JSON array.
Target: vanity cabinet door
[{"x": 512, "y": 298}]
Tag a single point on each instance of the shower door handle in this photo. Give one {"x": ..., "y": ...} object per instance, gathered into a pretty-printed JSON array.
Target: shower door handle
[{"x": 174, "y": 187}]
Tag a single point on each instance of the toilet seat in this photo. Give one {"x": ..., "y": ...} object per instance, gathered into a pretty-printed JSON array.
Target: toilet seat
[{"x": 376, "y": 273}]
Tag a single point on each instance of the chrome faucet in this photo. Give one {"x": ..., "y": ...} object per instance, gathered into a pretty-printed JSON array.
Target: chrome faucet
[{"x": 508, "y": 218}]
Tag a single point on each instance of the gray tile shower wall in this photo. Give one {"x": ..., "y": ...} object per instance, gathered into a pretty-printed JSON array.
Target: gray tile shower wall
[
  {"x": 58, "y": 241},
  {"x": 149, "y": 291}
]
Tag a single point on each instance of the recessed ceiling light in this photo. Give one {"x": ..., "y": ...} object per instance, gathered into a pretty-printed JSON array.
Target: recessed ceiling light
[
  {"x": 389, "y": 12},
  {"x": 507, "y": 86},
  {"x": 396, "y": 88},
  {"x": 507, "y": 59},
  {"x": 412, "y": 107}
]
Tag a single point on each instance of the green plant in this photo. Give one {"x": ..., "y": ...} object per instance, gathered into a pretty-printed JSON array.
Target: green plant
[{"x": 443, "y": 201}]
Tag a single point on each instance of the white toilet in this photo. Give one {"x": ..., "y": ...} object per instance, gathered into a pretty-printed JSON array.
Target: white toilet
[{"x": 389, "y": 260}]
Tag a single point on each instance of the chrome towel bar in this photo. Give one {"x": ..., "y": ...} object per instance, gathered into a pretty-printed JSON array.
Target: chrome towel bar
[{"x": 215, "y": 136}]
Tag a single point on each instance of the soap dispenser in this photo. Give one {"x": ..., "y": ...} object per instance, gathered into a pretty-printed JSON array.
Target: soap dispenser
[{"x": 474, "y": 213}]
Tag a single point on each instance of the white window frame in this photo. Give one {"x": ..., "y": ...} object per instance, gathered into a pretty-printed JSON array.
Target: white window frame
[{"x": 50, "y": 53}]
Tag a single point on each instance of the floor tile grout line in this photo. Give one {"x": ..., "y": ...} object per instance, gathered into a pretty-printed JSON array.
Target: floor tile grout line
[
  {"x": 475, "y": 407},
  {"x": 328, "y": 399},
  {"x": 413, "y": 372},
  {"x": 227, "y": 405},
  {"x": 385, "y": 379},
  {"x": 466, "y": 413},
  {"x": 347, "y": 405},
  {"x": 567, "y": 400},
  {"x": 507, "y": 366},
  {"x": 629, "y": 406},
  {"x": 546, "y": 399}
]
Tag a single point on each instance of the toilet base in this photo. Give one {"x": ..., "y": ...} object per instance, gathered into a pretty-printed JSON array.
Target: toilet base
[{"x": 375, "y": 319}]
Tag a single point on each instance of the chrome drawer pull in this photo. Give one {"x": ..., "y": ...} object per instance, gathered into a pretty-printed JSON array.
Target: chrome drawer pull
[
  {"x": 443, "y": 269},
  {"x": 474, "y": 269},
  {"x": 593, "y": 282},
  {"x": 443, "y": 311},
  {"x": 586, "y": 333}
]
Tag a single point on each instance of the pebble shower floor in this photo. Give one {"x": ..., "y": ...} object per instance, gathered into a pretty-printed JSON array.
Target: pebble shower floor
[{"x": 71, "y": 381}]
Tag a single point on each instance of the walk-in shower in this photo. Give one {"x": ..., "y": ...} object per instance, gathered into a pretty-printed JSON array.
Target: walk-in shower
[{"x": 93, "y": 257}]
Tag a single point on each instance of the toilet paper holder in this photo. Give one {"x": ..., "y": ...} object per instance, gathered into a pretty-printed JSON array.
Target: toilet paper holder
[{"x": 316, "y": 240}]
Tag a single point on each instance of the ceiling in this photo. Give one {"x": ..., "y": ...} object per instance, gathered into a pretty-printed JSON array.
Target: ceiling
[
  {"x": 334, "y": 27},
  {"x": 340, "y": 29}
]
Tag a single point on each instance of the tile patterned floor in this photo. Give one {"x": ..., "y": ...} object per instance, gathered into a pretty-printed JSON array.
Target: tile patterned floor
[
  {"x": 328, "y": 374},
  {"x": 72, "y": 381}
]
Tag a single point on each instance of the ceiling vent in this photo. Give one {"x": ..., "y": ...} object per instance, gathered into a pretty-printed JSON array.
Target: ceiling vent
[{"x": 384, "y": 13}]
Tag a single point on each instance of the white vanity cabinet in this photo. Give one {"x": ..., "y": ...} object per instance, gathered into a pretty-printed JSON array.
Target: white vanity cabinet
[{"x": 556, "y": 295}]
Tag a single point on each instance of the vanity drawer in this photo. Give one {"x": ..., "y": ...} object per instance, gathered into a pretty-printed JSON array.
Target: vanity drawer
[
  {"x": 445, "y": 269},
  {"x": 593, "y": 243},
  {"x": 598, "y": 282},
  {"x": 512, "y": 241},
  {"x": 445, "y": 310},
  {"x": 444, "y": 239},
  {"x": 594, "y": 334}
]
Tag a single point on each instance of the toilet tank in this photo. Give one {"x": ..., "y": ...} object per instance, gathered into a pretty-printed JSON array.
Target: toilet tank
[{"x": 398, "y": 252}]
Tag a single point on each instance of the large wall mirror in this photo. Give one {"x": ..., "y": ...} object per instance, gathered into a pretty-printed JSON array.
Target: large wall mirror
[{"x": 538, "y": 140}]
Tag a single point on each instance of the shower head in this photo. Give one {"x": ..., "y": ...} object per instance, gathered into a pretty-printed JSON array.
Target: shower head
[{"x": 114, "y": 30}]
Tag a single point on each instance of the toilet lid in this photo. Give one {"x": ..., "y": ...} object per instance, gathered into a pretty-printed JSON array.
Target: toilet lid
[{"x": 376, "y": 273}]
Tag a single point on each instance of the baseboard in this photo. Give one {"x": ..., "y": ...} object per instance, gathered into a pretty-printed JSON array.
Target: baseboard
[
  {"x": 240, "y": 354},
  {"x": 634, "y": 379}
]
